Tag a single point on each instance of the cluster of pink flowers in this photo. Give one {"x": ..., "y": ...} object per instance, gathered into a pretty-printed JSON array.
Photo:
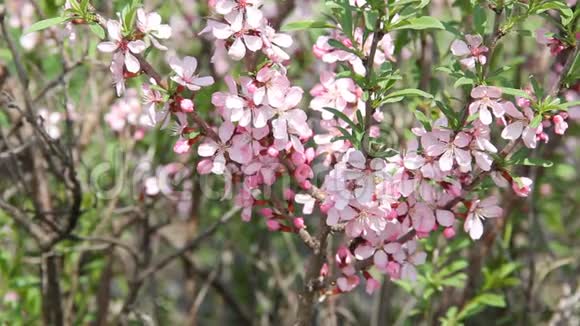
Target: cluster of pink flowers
[
  {"x": 128, "y": 113},
  {"x": 240, "y": 26},
  {"x": 383, "y": 204}
]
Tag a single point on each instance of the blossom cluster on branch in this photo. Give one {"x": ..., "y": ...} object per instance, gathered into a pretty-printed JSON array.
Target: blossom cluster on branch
[{"x": 382, "y": 200}]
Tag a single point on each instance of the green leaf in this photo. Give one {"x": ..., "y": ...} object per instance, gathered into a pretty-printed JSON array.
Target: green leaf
[
  {"x": 420, "y": 23},
  {"x": 305, "y": 24},
  {"x": 479, "y": 19},
  {"x": 44, "y": 24},
  {"x": 491, "y": 299},
  {"x": 515, "y": 92},
  {"x": 569, "y": 104},
  {"x": 337, "y": 44},
  {"x": 463, "y": 81},
  {"x": 421, "y": 117},
  {"x": 371, "y": 17},
  {"x": 342, "y": 117},
  {"x": 346, "y": 19},
  {"x": 528, "y": 161},
  {"x": 536, "y": 121},
  {"x": 409, "y": 92},
  {"x": 97, "y": 30}
]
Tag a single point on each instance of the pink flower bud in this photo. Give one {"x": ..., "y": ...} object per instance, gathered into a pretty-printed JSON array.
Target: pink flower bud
[
  {"x": 298, "y": 223},
  {"x": 394, "y": 270},
  {"x": 324, "y": 270},
  {"x": 523, "y": 102},
  {"x": 343, "y": 256},
  {"x": 266, "y": 212},
  {"x": 186, "y": 105},
  {"x": 449, "y": 232},
  {"x": 522, "y": 186},
  {"x": 560, "y": 124},
  {"x": 181, "y": 146},
  {"x": 273, "y": 225}
]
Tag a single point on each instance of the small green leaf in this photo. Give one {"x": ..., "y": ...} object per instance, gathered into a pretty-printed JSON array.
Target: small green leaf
[
  {"x": 420, "y": 23},
  {"x": 44, "y": 24},
  {"x": 463, "y": 81},
  {"x": 346, "y": 19},
  {"x": 409, "y": 92},
  {"x": 569, "y": 104},
  {"x": 479, "y": 19},
  {"x": 528, "y": 161},
  {"x": 515, "y": 92},
  {"x": 371, "y": 17},
  {"x": 536, "y": 121},
  {"x": 342, "y": 117},
  {"x": 490, "y": 299},
  {"x": 305, "y": 24},
  {"x": 97, "y": 30},
  {"x": 337, "y": 44},
  {"x": 423, "y": 119}
]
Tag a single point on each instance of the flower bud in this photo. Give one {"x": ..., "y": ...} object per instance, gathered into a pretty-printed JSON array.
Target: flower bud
[
  {"x": 273, "y": 225},
  {"x": 522, "y": 186},
  {"x": 449, "y": 232},
  {"x": 186, "y": 105},
  {"x": 298, "y": 223}
]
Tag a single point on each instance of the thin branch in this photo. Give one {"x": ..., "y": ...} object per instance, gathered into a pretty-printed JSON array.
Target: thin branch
[{"x": 191, "y": 245}]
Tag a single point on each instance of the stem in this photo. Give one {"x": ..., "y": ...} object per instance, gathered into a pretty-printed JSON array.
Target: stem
[{"x": 370, "y": 63}]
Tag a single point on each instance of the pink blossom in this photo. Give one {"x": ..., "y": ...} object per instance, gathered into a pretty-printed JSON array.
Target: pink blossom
[
  {"x": 185, "y": 70},
  {"x": 271, "y": 86},
  {"x": 275, "y": 43},
  {"x": 372, "y": 285},
  {"x": 150, "y": 25},
  {"x": 522, "y": 186},
  {"x": 290, "y": 120},
  {"x": 247, "y": 10},
  {"x": 265, "y": 166},
  {"x": 238, "y": 34},
  {"x": 151, "y": 99},
  {"x": 471, "y": 52},
  {"x": 560, "y": 125},
  {"x": 520, "y": 125},
  {"x": 118, "y": 72},
  {"x": 211, "y": 148},
  {"x": 119, "y": 44},
  {"x": 347, "y": 283},
  {"x": 333, "y": 93},
  {"x": 479, "y": 211},
  {"x": 438, "y": 143},
  {"x": 181, "y": 146},
  {"x": 481, "y": 146},
  {"x": 487, "y": 97}
]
